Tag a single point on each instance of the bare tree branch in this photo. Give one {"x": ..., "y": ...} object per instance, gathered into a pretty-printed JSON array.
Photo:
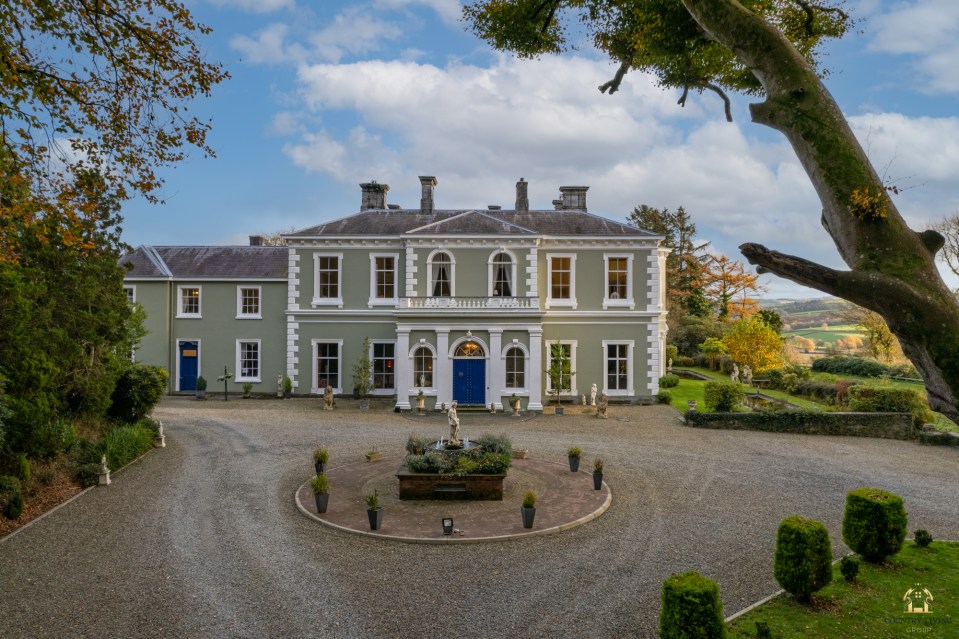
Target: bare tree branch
[
  {"x": 613, "y": 85},
  {"x": 720, "y": 93}
]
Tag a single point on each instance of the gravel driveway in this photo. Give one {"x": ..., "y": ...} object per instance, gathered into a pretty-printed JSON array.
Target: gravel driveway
[{"x": 202, "y": 538}]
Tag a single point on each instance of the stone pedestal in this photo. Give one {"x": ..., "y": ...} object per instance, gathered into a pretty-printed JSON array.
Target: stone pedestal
[{"x": 441, "y": 487}]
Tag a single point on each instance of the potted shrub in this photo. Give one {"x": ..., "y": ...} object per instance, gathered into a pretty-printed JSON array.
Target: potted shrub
[
  {"x": 321, "y": 457},
  {"x": 573, "y": 454},
  {"x": 247, "y": 390},
  {"x": 598, "y": 473},
  {"x": 528, "y": 509},
  {"x": 321, "y": 492},
  {"x": 363, "y": 375},
  {"x": 372, "y": 455},
  {"x": 200, "y": 387},
  {"x": 373, "y": 509},
  {"x": 421, "y": 401},
  {"x": 287, "y": 388}
]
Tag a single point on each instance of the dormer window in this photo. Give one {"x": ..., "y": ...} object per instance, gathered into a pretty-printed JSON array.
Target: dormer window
[{"x": 441, "y": 275}]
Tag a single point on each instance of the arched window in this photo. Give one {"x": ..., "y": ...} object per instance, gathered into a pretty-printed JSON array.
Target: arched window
[
  {"x": 502, "y": 275},
  {"x": 423, "y": 368},
  {"x": 441, "y": 275},
  {"x": 515, "y": 368}
]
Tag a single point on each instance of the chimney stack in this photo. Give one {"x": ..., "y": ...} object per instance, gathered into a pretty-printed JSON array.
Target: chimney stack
[
  {"x": 374, "y": 196},
  {"x": 428, "y": 182},
  {"x": 574, "y": 197},
  {"x": 522, "y": 197},
  {"x": 256, "y": 240}
]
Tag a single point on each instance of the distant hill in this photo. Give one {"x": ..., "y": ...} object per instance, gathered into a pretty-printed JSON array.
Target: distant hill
[{"x": 808, "y": 313}]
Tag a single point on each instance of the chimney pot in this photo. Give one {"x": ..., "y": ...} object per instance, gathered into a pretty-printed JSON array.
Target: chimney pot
[
  {"x": 256, "y": 240},
  {"x": 374, "y": 195},
  {"x": 494, "y": 207},
  {"x": 574, "y": 197},
  {"x": 394, "y": 207},
  {"x": 522, "y": 196},
  {"x": 428, "y": 183}
]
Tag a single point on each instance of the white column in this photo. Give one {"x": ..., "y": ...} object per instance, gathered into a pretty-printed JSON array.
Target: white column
[
  {"x": 404, "y": 369},
  {"x": 497, "y": 373},
  {"x": 443, "y": 375},
  {"x": 535, "y": 369}
]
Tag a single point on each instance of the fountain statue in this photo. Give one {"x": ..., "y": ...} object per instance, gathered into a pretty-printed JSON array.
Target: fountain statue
[{"x": 454, "y": 420}]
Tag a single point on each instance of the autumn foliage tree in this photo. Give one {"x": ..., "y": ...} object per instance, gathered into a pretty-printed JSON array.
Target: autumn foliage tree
[
  {"x": 729, "y": 286},
  {"x": 769, "y": 49},
  {"x": 94, "y": 85},
  {"x": 753, "y": 342}
]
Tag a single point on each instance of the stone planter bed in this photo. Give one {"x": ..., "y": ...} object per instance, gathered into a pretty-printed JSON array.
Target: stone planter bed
[{"x": 433, "y": 486}]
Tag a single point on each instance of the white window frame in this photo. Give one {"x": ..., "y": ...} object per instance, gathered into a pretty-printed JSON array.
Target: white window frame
[
  {"x": 314, "y": 379},
  {"x": 382, "y": 391},
  {"x": 179, "y": 302},
  {"x": 630, "y": 347},
  {"x": 429, "y": 273},
  {"x": 628, "y": 301},
  {"x": 328, "y": 301},
  {"x": 491, "y": 272},
  {"x": 518, "y": 390},
  {"x": 427, "y": 390},
  {"x": 560, "y": 302},
  {"x": 259, "y": 361},
  {"x": 384, "y": 301},
  {"x": 131, "y": 293},
  {"x": 239, "y": 302},
  {"x": 573, "y": 391}
]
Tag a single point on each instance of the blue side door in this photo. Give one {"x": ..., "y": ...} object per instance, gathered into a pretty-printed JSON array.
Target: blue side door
[
  {"x": 469, "y": 382},
  {"x": 189, "y": 359}
]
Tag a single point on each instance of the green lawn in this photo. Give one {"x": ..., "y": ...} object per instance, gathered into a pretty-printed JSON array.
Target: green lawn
[
  {"x": 873, "y": 606},
  {"x": 694, "y": 389}
]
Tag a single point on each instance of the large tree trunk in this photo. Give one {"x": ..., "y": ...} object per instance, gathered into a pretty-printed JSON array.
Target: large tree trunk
[{"x": 893, "y": 270}]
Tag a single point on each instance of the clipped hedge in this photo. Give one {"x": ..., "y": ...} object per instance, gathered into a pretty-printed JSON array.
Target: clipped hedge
[
  {"x": 862, "y": 367},
  {"x": 874, "y": 523},
  {"x": 664, "y": 397},
  {"x": 723, "y": 397},
  {"x": 669, "y": 381},
  {"x": 803, "y": 559},
  {"x": 824, "y": 391},
  {"x": 691, "y": 608},
  {"x": 873, "y": 398},
  {"x": 884, "y": 425}
]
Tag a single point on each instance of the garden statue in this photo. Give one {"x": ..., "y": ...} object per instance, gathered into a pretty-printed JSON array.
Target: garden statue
[
  {"x": 454, "y": 426},
  {"x": 104, "y": 479},
  {"x": 602, "y": 405},
  {"x": 328, "y": 397},
  {"x": 592, "y": 395},
  {"x": 279, "y": 385},
  {"x": 669, "y": 365},
  {"x": 748, "y": 374},
  {"x": 492, "y": 407},
  {"x": 585, "y": 403},
  {"x": 734, "y": 376}
]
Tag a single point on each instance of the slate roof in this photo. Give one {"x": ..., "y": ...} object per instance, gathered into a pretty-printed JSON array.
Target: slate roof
[
  {"x": 208, "y": 262},
  {"x": 399, "y": 222}
]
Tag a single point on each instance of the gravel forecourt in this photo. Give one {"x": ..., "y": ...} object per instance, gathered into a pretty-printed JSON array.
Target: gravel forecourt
[{"x": 202, "y": 538}]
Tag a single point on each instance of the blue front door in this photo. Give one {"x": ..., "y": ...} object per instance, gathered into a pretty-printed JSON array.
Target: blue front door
[
  {"x": 469, "y": 381},
  {"x": 189, "y": 358}
]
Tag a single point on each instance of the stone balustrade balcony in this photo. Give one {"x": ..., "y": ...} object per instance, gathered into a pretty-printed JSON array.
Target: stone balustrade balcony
[{"x": 460, "y": 303}]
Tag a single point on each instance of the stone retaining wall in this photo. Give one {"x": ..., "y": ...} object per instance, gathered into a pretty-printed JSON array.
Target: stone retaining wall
[{"x": 884, "y": 425}]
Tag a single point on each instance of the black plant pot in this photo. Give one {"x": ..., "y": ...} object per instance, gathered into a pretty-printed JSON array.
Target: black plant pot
[
  {"x": 320, "y": 467},
  {"x": 598, "y": 481},
  {"x": 322, "y": 501},
  {"x": 287, "y": 394},
  {"x": 528, "y": 515},
  {"x": 574, "y": 464},
  {"x": 356, "y": 393},
  {"x": 376, "y": 518}
]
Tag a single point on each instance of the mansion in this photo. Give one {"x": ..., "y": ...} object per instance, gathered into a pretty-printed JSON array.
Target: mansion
[{"x": 468, "y": 305}]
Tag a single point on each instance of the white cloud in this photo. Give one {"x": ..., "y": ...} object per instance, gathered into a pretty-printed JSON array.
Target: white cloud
[
  {"x": 354, "y": 31},
  {"x": 449, "y": 11},
  {"x": 928, "y": 29},
  {"x": 255, "y": 6},
  {"x": 267, "y": 47}
]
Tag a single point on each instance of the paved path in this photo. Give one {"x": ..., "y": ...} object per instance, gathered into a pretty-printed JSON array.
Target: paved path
[{"x": 202, "y": 539}]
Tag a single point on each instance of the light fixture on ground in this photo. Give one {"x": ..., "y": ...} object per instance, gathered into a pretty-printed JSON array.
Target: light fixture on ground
[{"x": 447, "y": 525}]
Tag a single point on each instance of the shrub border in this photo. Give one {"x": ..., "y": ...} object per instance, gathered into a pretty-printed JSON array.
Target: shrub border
[{"x": 881, "y": 425}]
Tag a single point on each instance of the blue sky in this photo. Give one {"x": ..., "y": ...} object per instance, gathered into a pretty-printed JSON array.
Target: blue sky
[{"x": 325, "y": 95}]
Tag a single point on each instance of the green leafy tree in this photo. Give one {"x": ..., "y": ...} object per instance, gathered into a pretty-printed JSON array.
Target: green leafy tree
[
  {"x": 363, "y": 370},
  {"x": 771, "y": 318},
  {"x": 770, "y": 49},
  {"x": 714, "y": 349},
  {"x": 751, "y": 341},
  {"x": 560, "y": 371}
]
